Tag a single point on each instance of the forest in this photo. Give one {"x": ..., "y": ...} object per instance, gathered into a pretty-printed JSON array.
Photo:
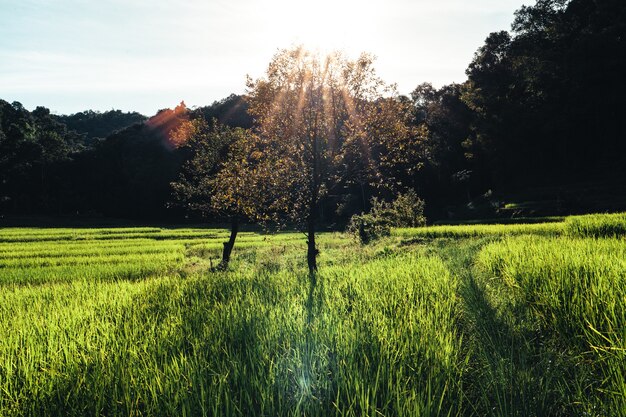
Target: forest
[{"x": 536, "y": 129}]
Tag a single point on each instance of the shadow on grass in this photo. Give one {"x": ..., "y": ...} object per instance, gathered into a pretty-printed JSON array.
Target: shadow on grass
[{"x": 516, "y": 373}]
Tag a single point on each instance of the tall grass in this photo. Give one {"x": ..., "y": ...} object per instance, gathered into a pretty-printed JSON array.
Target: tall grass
[
  {"x": 43, "y": 235},
  {"x": 377, "y": 339},
  {"x": 500, "y": 320},
  {"x": 596, "y": 225},
  {"x": 563, "y": 303},
  {"x": 466, "y": 231}
]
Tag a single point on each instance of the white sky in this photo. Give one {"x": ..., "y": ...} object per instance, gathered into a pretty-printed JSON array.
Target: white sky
[{"x": 144, "y": 55}]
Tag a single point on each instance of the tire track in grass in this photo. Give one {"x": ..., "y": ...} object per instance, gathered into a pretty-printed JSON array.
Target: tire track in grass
[{"x": 507, "y": 370}]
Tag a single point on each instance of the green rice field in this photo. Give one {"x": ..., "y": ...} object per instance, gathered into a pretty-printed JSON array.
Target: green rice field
[{"x": 468, "y": 320}]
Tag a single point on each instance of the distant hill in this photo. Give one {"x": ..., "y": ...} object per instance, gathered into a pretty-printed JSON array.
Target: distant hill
[
  {"x": 231, "y": 111},
  {"x": 98, "y": 125}
]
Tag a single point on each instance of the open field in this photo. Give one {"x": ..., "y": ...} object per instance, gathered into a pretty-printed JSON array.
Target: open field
[{"x": 473, "y": 320}]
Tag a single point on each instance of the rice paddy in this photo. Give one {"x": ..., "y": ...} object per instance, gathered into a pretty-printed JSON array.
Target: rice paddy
[{"x": 472, "y": 320}]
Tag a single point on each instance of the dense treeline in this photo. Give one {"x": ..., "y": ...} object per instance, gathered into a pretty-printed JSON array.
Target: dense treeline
[
  {"x": 96, "y": 164},
  {"x": 96, "y": 125},
  {"x": 35, "y": 152},
  {"x": 548, "y": 98},
  {"x": 543, "y": 105}
]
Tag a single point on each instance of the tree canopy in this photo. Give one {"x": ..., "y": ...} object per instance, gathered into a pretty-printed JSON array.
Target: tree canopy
[{"x": 323, "y": 122}]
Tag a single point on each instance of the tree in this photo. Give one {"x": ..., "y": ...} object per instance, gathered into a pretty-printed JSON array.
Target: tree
[
  {"x": 222, "y": 176},
  {"x": 308, "y": 110}
]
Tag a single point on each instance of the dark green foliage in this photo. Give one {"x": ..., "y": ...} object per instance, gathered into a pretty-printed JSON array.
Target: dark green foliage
[
  {"x": 34, "y": 152},
  {"x": 407, "y": 210},
  {"x": 128, "y": 174},
  {"x": 447, "y": 155},
  {"x": 231, "y": 111},
  {"x": 547, "y": 96},
  {"x": 131, "y": 172},
  {"x": 96, "y": 125},
  {"x": 91, "y": 163}
]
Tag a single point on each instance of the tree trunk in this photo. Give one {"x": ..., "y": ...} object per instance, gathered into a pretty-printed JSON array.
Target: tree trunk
[
  {"x": 228, "y": 246},
  {"x": 311, "y": 249}
]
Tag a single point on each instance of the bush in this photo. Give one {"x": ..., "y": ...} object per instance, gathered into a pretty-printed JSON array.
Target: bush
[{"x": 407, "y": 210}]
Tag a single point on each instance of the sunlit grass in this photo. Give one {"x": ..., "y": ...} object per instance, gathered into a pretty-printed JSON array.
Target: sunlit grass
[
  {"x": 42, "y": 235},
  {"x": 563, "y": 302},
  {"x": 597, "y": 225},
  {"x": 465, "y": 231},
  {"x": 438, "y": 321},
  {"x": 368, "y": 338}
]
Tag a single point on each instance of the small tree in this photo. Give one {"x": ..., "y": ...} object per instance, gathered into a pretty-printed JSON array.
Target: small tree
[
  {"x": 220, "y": 177},
  {"x": 242, "y": 187}
]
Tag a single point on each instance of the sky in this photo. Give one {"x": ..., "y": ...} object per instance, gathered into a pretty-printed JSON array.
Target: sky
[{"x": 145, "y": 55}]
